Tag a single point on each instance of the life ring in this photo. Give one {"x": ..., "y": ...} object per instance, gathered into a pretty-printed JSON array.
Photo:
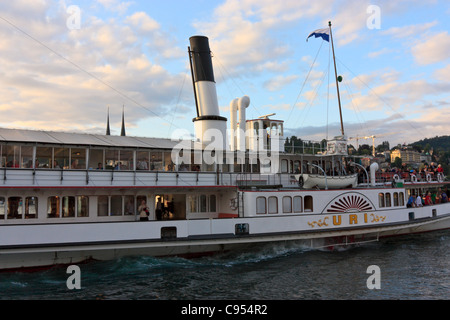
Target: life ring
[
  {"x": 413, "y": 178},
  {"x": 440, "y": 177},
  {"x": 396, "y": 177},
  {"x": 300, "y": 182},
  {"x": 428, "y": 177}
]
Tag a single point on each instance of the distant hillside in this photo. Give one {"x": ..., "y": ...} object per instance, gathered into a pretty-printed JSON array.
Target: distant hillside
[{"x": 441, "y": 143}]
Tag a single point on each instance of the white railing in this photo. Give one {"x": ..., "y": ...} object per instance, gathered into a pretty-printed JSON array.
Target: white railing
[{"x": 107, "y": 178}]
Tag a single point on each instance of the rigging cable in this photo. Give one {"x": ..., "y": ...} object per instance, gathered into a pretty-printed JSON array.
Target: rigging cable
[
  {"x": 387, "y": 104},
  {"x": 232, "y": 79},
  {"x": 304, "y": 82}
]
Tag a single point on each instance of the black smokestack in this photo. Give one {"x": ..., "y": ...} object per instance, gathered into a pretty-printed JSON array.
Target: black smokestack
[{"x": 201, "y": 57}]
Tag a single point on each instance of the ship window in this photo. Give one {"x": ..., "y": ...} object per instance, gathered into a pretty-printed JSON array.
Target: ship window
[
  {"x": 15, "y": 208},
  {"x": 111, "y": 159},
  {"x": 116, "y": 205},
  {"x": 388, "y": 199},
  {"x": 298, "y": 204},
  {"x": 142, "y": 160},
  {"x": 61, "y": 156},
  {"x": 10, "y": 156},
  {"x": 53, "y": 205},
  {"x": 68, "y": 207},
  {"x": 308, "y": 203},
  {"x": 202, "y": 204},
  {"x": 31, "y": 207},
  {"x": 395, "y": 199},
  {"x": 102, "y": 205},
  {"x": 156, "y": 162},
  {"x": 381, "y": 200},
  {"x": 284, "y": 166},
  {"x": 2, "y": 208},
  {"x": 192, "y": 201},
  {"x": 287, "y": 204},
  {"x": 26, "y": 154},
  {"x": 43, "y": 157},
  {"x": 82, "y": 206},
  {"x": 78, "y": 158},
  {"x": 96, "y": 159},
  {"x": 401, "y": 199},
  {"x": 129, "y": 205},
  {"x": 273, "y": 204},
  {"x": 168, "y": 163},
  {"x": 126, "y": 160},
  {"x": 261, "y": 205}
]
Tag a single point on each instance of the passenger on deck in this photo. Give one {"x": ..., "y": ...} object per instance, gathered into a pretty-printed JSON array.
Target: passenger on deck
[
  {"x": 75, "y": 164},
  {"x": 427, "y": 199},
  {"x": 411, "y": 201},
  {"x": 143, "y": 211},
  {"x": 444, "y": 197},
  {"x": 159, "y": 209},
  {"x": 419, "y": 201}
]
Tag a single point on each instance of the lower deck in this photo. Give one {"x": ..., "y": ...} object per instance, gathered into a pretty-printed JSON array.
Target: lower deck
[{"x": 73, "y": 205}]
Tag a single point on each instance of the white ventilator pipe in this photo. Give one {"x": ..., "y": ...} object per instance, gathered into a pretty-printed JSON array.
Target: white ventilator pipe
[
  {"x": 233, "y": 123},
  {"x": 243, "y": 104},
  {"x": 373, "y": 170}
]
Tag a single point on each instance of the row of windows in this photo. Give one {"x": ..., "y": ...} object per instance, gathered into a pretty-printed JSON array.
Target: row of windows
[
  {"x": 17, "y": 156},
  {"x": 289, "y": 204},
  {"x": 16, "y": 208},
  {"x": 201, "y": 203},
  {"x": 78, "y": 206},
  {"x": 384, "y": 199},
  {"x": 48, "y": 157},
  {"x": 23, "y": 156},
  {"x": 69, "y": 206}
]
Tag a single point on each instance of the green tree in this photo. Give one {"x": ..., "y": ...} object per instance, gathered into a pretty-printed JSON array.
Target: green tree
[{"x": 397, "y": 162}]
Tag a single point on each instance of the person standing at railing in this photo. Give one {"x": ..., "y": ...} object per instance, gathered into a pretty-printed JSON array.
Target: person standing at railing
[
  {"x": 419, "y": 201},
  {"x": 427, "y": 199},
  {"x": 411, "y": 201}
]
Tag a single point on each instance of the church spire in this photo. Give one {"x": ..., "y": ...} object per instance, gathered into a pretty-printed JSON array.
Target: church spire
[
  {"x": 108, "y": 131},
  {"x": 122, "y": 132}
]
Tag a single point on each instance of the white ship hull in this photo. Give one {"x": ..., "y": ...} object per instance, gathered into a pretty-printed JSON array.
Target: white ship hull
[{"x": 35, "y": 246}]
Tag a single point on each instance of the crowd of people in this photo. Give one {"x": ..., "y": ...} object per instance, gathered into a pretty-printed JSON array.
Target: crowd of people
[
  {"x": 428, "y": 198},
  {"x": 421, "y": 174}
]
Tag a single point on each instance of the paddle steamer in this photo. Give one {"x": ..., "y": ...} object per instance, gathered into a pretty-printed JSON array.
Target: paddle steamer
[{"x": 70, "y": 197}]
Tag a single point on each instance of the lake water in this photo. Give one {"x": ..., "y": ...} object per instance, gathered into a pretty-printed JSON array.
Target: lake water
[{"x": 412, "y": 267}]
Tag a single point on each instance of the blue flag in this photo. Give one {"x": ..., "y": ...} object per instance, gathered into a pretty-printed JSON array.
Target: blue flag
[{"x": 322, "y": 33}]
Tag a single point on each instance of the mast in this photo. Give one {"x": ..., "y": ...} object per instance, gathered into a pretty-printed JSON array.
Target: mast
[{"x": 337, "y": 82}]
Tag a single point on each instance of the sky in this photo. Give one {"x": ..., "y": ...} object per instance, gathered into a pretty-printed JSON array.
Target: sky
[{"x": 64, "y": 64}]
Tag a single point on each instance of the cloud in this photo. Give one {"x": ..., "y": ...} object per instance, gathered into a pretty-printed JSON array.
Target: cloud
[
  {"x": 279, "y": 82},
  {"x": 240, "y": 32},
  {"x": 434, "y": 49},
  {"x": 378, "y": 53},
  {"x": 64, "y": 79},
  {"x": 141, "y": 21},
  {"x": 410, "y": 30},
  {"x": 443, "y": 74},
  {"x": 115, "y": 5}
]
